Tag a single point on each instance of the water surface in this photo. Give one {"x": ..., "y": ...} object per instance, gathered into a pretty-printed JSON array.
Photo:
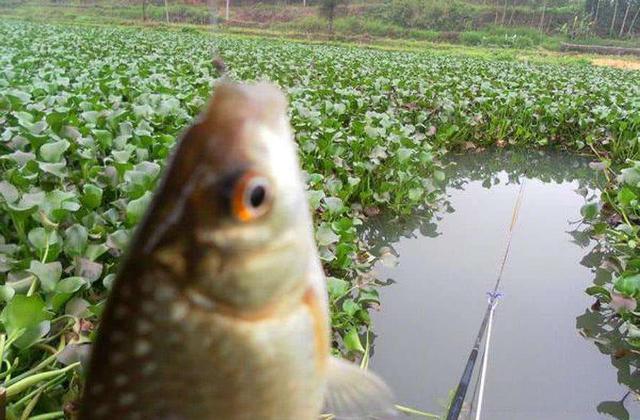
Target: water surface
[{"x": 539, "y": 366}]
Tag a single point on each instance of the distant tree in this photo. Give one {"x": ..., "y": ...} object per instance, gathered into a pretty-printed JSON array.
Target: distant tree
[
  {"x": 504, "y": 12},
  {"x": 633, "y": 21},
  {"x": 613, "y": 16},
  {"x": 624, "y": 20},
  {"x": 328, "y": 10},
  {"x": 544, "y": 9}
]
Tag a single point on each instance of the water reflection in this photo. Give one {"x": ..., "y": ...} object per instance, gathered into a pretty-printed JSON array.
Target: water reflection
[
  {"x": 602, "y": 326},
  {"x": 539, "y": 367}
]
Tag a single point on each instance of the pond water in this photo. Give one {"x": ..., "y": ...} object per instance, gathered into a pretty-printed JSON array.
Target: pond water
[{"x": 539, "y": 366}]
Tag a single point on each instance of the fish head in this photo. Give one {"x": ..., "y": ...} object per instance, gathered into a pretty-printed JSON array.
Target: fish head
[{"x": 232, "y": 210}]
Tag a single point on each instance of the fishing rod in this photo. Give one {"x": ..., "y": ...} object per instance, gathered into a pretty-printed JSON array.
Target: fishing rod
[{"x": 487, "y": 321}]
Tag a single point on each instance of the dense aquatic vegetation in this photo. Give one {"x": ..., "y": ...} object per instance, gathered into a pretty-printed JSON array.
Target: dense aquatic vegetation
[
  {"x": 613, "y": 321},
  {"x": 89, "y": 115}
]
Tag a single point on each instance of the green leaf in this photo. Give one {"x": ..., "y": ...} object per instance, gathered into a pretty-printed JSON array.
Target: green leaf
[
  {"x": 136, "y": 208},
  {"x": 59, "y": 299},
  {"x": 90, "y": 116},
  {"x": 52, "y": 152},
  {"x": 70, "y": 284},
  {"x": 58, "y": 204},
  {"x": 20, "y": 96},
  {"x": 121, "y": 156},
  {"x": 9, "y": 192},
  {"x": 404, "y": 154},
  {"x": 19, "y": 157},
  {"x": 6, "y": 293},
  {"x": 23, "y": 312},
  {"x": 350, "y": 307},
  {"x": 334, "y": 204},
  {"x": 75, "y": 241},
  {"x": 91, "y": 196},
  {"x": 48, "y": 274},
  {"x": 77, "y": 307},
  {"x": 88, "y": 269},
  {"x": 118, "y": 240},
  {"x": 352, "y": 341},
  {"x": 108, "y": 280},
  {"x": 626, "y": 196},
  {"x": 56, "y": 120},
  {"x": 353, "y": 181},
  {"x": 372, "y": 132},
  {"x": 315, "y": 196},
  {"x": 104, "y": 138},
  {"x": 415, "y": 194},
  {"x": 589, "y": 211},
  {"x": 28, "y": 202},
  {"x": 325, "y": 235},
  {"x": 24, "y": 118},
  {"x": 141, "y": 178},
  {"x": 369, "y": 296},
  {"x": 57, "y": 169},
  {"x": 40, "y": 238},
  {"x": 631, "y": 176},
  {"x": 94, "y": 251},
  {"x": 628, "y": 285},
  {"x": 337, "y": 287}
]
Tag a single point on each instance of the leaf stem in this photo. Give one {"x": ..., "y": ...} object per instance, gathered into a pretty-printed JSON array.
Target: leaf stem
[
  {"x": 48, "y": 416},
  {"x": 46, "y": 248},
  {"x": 33, "y": 370},
  {"x": 32, "y": 286},
  {"x": 410, "y": 410},
  {"x": 26, "y": 383},
  {"x": 32, "y": 404}
]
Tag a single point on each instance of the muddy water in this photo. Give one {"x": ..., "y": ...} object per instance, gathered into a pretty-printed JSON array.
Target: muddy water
[{"x": 539, "y": 366}]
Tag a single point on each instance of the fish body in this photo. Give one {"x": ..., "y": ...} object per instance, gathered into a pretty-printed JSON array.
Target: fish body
[{"x": 220, "y": 309}]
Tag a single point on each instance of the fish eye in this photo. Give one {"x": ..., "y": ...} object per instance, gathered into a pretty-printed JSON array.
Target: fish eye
[{"x": 251, "y": 197}]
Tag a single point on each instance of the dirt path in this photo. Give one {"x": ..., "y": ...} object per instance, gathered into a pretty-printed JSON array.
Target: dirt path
[{"x": 631, "y": 64}]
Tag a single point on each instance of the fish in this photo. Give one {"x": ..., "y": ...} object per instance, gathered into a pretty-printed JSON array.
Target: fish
[{"x": 219, "y": 309}]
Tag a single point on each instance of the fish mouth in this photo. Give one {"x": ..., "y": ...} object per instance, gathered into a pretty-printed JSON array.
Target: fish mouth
[{"x": 237, "y": 238}]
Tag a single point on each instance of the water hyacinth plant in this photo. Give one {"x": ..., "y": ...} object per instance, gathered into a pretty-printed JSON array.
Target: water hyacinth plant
[{"x": 89, "y": 115}]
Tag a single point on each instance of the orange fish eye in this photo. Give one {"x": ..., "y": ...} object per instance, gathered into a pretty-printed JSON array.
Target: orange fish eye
[{"x": 251, "y": 197}]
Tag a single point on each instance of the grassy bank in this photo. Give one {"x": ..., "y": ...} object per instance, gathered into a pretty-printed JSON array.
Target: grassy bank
[
  {"x": 91, "y": 113},
  {"x": 360, "y": 22}
]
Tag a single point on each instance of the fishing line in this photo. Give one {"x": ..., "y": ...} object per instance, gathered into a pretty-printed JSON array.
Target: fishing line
[
  {"x": 487, "y": 321},
  {"x": 475, "y": 388}
]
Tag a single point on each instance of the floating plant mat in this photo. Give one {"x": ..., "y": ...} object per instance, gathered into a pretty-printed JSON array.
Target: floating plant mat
[{"x": 539, "y": 365}]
